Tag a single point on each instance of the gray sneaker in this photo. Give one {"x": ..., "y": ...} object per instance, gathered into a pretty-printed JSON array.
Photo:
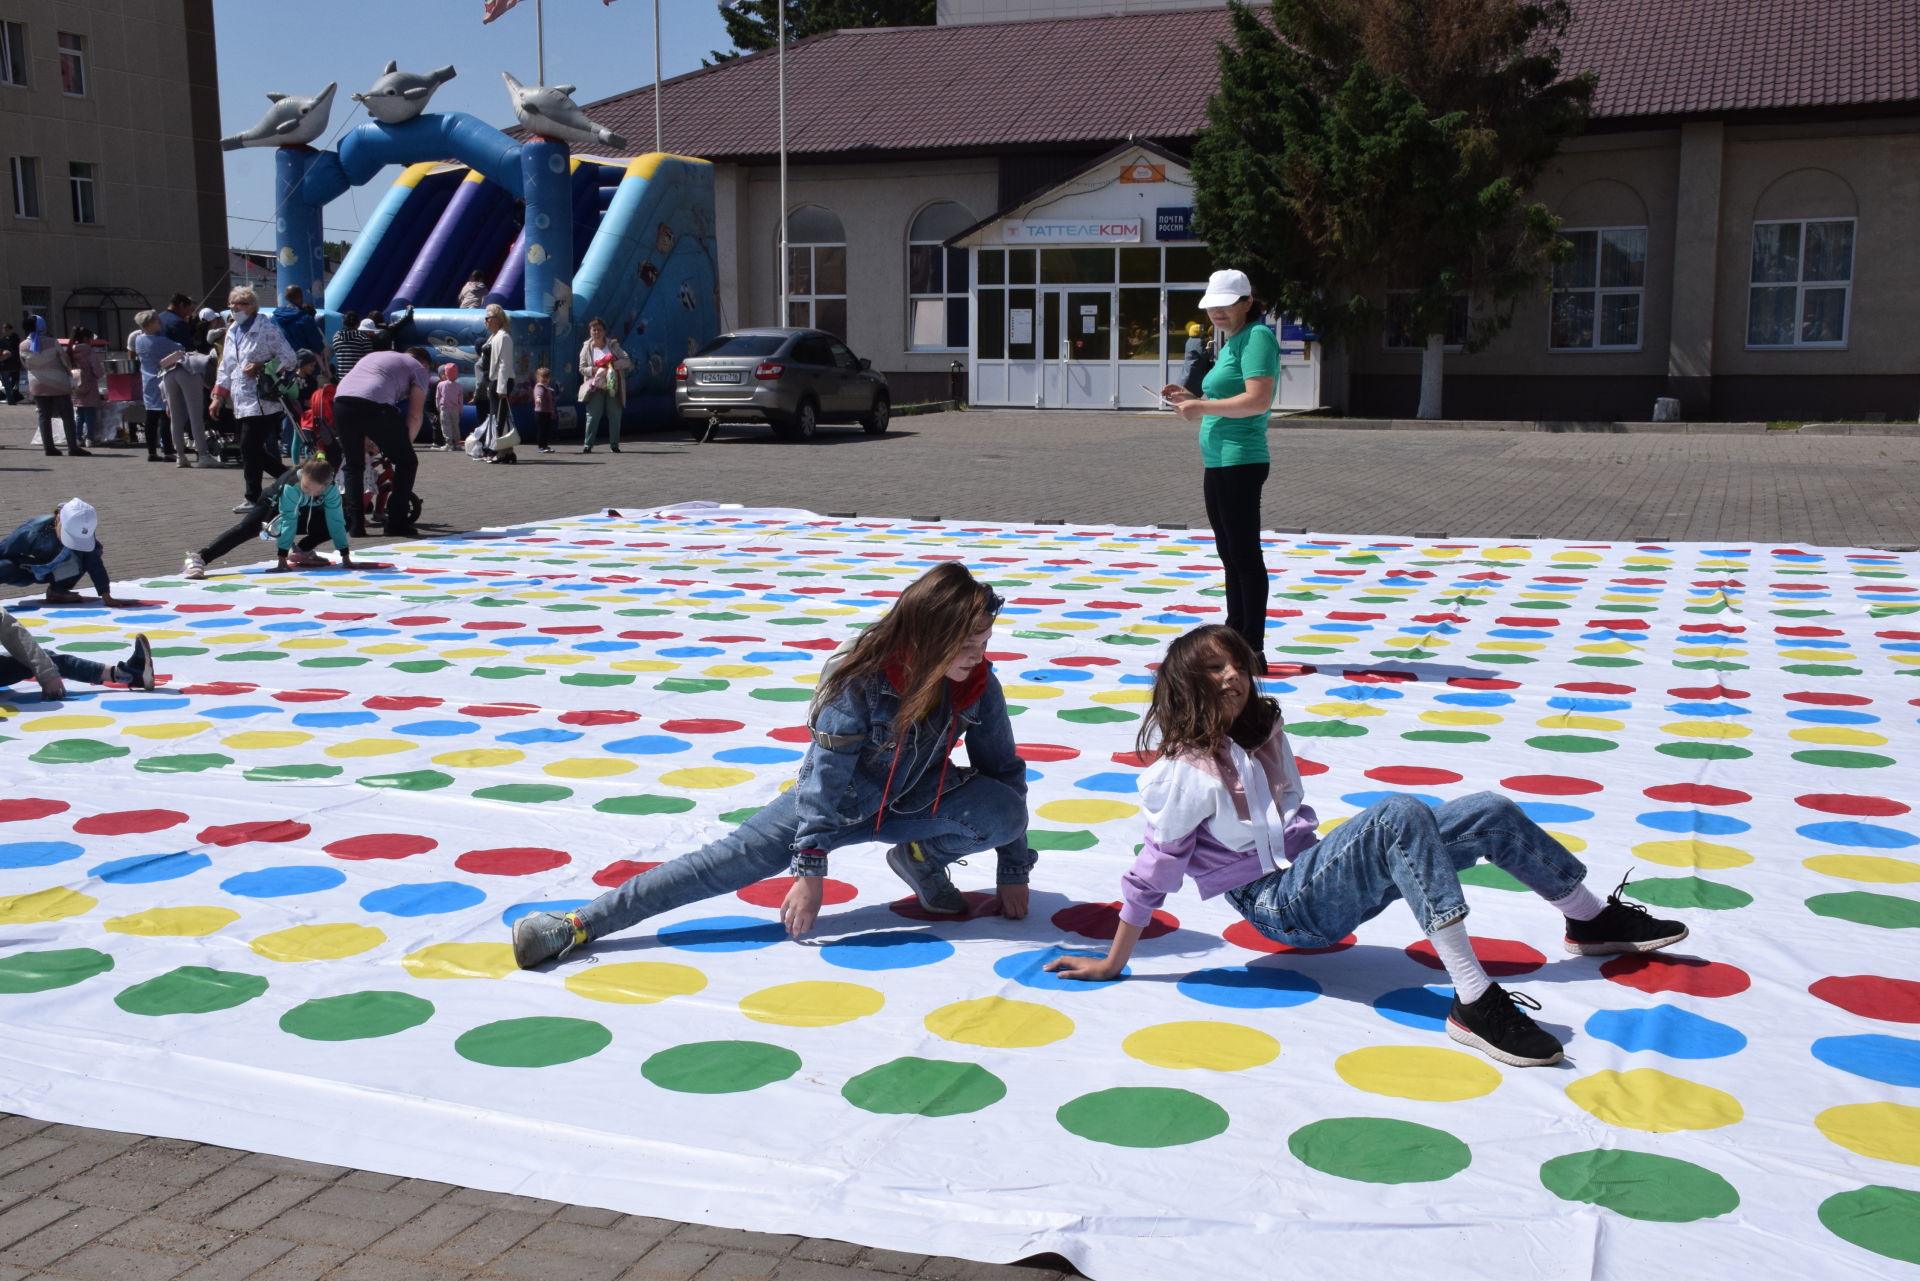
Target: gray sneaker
[
  {"x": 541, "y": 936},
  {"x": 927, "y": 878}
]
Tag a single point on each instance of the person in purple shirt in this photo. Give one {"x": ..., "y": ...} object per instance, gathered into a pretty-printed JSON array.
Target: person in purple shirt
[
  {"x": 382, "y": 399},
  {"x": 1225, "y": 806}
]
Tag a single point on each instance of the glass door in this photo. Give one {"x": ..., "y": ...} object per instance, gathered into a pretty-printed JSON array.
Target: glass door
[{"x": 1087, "y": 348}]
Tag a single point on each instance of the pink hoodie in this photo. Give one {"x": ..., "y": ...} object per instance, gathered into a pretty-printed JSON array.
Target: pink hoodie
[{"x": 449, "y": 397}]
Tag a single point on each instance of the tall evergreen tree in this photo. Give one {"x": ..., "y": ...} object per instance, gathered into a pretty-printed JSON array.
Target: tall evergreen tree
[
  {"x": 752, "y": 25},
  {"x": 1369, "y": 161}
]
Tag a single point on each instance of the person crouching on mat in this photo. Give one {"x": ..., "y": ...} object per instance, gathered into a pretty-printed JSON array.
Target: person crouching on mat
[
  {"x": 891, "y": 706},
  {"x": 308, "y": 506},
  {"x": 1225, "y": 806}
]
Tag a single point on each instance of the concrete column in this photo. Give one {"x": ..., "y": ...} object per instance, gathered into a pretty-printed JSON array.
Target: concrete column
[
  {"x": 303, "y": 260},
  {"x": 732, "y": 216},
  {"x": 1696, "y": 262}
]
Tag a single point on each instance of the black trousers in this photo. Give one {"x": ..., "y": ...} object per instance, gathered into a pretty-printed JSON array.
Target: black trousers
[
  {"x": 259, "y": 451},
  {"x": 159, "y": 433},
  {"x": 312, "y": 532},
  {"x": 1233, "y": 509},
  {"x": 50, "y": 408},
  {"x": 356, "y": 422}
]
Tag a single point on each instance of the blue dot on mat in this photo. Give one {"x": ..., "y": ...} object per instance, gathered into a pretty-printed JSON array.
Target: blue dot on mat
[
  {"x": 445, "y": 636},
  {"x": 757, "y": 755},
  {"x": 1891, "y": 1059},
  {"x": 1478, "y": 698},
  {"x": 1548, "y": 812},
  {"x": 241, "y": 712},
  {"x": 887, "y": 950},
  {"x": 1028, "y": 969},
  {"x": 1693, "y": 821},
  {"x": 1056, "y": 675},
  {"x": 538, "y": 736},
  {"x": 1708, "y": 709},
  {"x": 143, "y": 869},
  {"x": 692, "y": 651},
  {"x": 1668, "y": 1030},
  {"x": 428, "y": 899},
  {"x": 647, "y": 745},
  {"x": 143, "y": 704},
  {"x": 1365, "y": 693},
  {"x": 1589, "y": 704},
  {"x": 438, "y": 729},
  {"x": 1250, "y": 987},
  {"x": 1863, "y": 835},
  {"x": 278, "y": 882},
  {"x": 39, "y": 853},
  {"x": 292, "y": 625},
  {"x": 1422, "y": 1007},
  {"x": 722, "y": 934},
  {"x": 606, "y": 646},
  {"x": 1109, "y": 782},
  {"x": 1360, "y": 800},
  {"x": 519, "y": 910},
  {"x": 332, "y": 720}
]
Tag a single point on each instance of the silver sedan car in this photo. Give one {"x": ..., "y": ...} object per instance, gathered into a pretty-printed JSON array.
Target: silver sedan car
[{"x": 791, "y": 379}]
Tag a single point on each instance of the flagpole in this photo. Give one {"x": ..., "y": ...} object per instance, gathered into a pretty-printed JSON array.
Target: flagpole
[
  {"x": 780, "y": 61},
  {"x": 656, "y": 76},
  {"x": 540, "y": 40}
]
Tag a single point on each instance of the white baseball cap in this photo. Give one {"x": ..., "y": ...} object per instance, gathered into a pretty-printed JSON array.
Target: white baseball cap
[
  {"x": 209, "y": 314},
  {"x": 368, "y": 327},
  {"x": 1225, "y": 288},
  {"x": 78, "y": 520}
]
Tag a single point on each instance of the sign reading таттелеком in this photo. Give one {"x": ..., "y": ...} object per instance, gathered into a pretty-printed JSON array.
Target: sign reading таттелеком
[{"x": 1070, "y": 231}]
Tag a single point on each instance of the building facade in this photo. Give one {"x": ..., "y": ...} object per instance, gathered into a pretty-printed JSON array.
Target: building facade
[{"x": 109, "y": 122}]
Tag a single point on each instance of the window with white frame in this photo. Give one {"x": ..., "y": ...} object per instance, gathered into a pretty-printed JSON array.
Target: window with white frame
[
  {"x": 26, "y": 186},
  {"x": 937, "y": 279},
  {"x": 80, "y": 185},
  {"x": 36, "y": 300},
  {"x": 1400, "y": 321},
  {"x": 1802, "y": 283},
  {"x": 13, "y": 53},
  {"x": 1598, "y": 290},
  {"x": 816, "y": 270},
  {"x": 73, "y": 65}
]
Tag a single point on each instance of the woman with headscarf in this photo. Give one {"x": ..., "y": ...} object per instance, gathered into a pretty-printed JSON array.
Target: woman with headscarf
[{"x": 50, "y": 383}]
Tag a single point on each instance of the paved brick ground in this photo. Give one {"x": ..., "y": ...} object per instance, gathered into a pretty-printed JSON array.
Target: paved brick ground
[{"x": 96, "y": 1205}]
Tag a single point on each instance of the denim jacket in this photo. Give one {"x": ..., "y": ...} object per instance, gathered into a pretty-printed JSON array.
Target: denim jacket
[
  {"x": 26, "y": 553},
  {"x": 843, "y": 781}
]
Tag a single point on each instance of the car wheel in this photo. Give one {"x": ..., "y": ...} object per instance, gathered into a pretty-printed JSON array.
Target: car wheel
[
  {"x": 875, "y": 423},
  {"x": 805, "y": 422}
]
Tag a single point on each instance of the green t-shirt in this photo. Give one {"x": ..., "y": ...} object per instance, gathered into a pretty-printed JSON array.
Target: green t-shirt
[{"x": 1228, "y": 442}]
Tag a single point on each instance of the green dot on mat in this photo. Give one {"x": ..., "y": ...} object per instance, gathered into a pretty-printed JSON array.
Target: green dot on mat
[
  {"x": 1508, "y": 659},
  {"x": 1843, "y": 760},
  {"x": 569, "y": 607},
  {"x": 1571, "y": 743},
  {"x": 1695, "y": 751},
  {"x": 356, "y": 1016},
  {"x": 422, "y": 666},
  {"x": 644, "y": 804},
  {"x": 191, "y": 989},
  {"x": 1712, "y": 665},
  {"x": 191, "y": 763},
  {"x": 689, "y": 685},
  {"x": 336, "y": 660},
  {"x": 504, "y": 673},
  {"x": 77, "y": 751},
  {"x": 740, "y": 815},
  {"x": 1687, "y": 891},
  {"x": 1042, "y": 839},
  {"x": 1097, "y": 715},
  {"x": 43, "y": 971},
  {"x": 1882, "y": 910},
  {"x": 1143, "y": 1117},
  {"x": 645, "y": 613},
  {"x": 599, "y": 679},
  {"x": 1640, "y": 1185},
  {"x": 525, "y": 793},
  {"x": 1883, "y": 1220},
  {"x": 420, "y": 780},
  {"x": 1531, "y": 605},
  {"x": 541, "y": 1041},
  {"x": 1372, "y": 1149},
  {"x": 1605, "y": 660},
  {"x": 1326, "y": 729},
  {"x": 1304, "y": 649},
  {"x": 1490, "y": 877},
  {"x": 1802, "y": 613},
  {"x": 718, "y": 616},
  {"x": 1820, "y": 669},
  {"x": 1124, "y": 639},
  {"x": 1442, "y": 736},
  {"x": 1030, "y": 633},
  {"x": 178, "y": 651},
  {"x": 1626, "y": 609},
  {"x": 90, "y": 647},
  {"x": 289, "y": 773},
  {"x": 254, "y": 656},
  {"x": 781, "y": 695},
  {"x": 924, "y": 1087},
  {"x": 720, "y": 1067}
]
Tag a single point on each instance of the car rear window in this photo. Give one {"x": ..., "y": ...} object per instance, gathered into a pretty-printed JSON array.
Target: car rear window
[{"x": 742, "y": 345}]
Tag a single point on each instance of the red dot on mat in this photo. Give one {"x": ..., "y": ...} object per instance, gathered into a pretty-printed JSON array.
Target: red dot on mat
[
  {"x": 773, "y": 891},
  {"x": 979, "y": 904},
  {"x": 824, "y": 644},
  {"x": 220, "y": 689},
  {"x": 124, "y": 822},
  {"x": 29, "y": 807},
  {"x": 1688, "y": 975},
  {"x": 499, "y": 709},
  {"x": 1872, "y": 997},
  {"x": 417, "y": 620},
  {"x": 1596, "y": 687},
  {"x": 309, "y": 695},
  {"x": 1499, "y": 957},
  {"x": 1137, "y": 760},
  {"x": 1043, "y": 752},
  {"x": 1822, "y": 699},
  {"x": 607, "y": 716},
  {"x": 791, "y": 734},
  {"x": 1706, "y": 693},
  {"x": 1550, "y": 785},
  {"x": 1083, "y": 660},
  {"x": 1102, "y": 921},
  {"x": 202, "y": 609},
  {"x": 516, "y": 860},
  {"x": 618, "y": 873},
  {"x": 1308, "y": 768},
  {"x": 1481, "y": 682},
  {"x": 1242, "y": 934},
  {"x": 491, "y": 625},
  {"x": 401, "y": 702},
  {"x": 702, "y": 726},
  {"x": 1411, "y": 775},
  {"x": 1287, "y": 669},
  {"x": 381, "y": 845},
  {"x": 275, "y": 830},
  {"x": 1841, "y": 803},
  {"x": 1003, "y": 656},
  {"x": 1697, "y": 794}
]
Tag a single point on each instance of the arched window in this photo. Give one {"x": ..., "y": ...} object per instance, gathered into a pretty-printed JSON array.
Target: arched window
[
  {"x": 937, "y": 279},
  {"x": 816, "y": 270}
]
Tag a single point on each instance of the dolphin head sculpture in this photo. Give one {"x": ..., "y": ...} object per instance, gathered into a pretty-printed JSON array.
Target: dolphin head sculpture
[
  {"x": 398, "y": 96},
  {"x": 549, "y": 111},
  {"x": 290, "y": 122}
]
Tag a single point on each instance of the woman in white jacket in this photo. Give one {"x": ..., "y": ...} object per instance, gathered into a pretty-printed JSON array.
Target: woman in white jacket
[
  {"x": 252, "y": 341},
  {"x": 604, "y": 366},
  {"x": 495, "y": 358}
]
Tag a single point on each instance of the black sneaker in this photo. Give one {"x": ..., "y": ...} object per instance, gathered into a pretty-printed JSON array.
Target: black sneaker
[
  {"x": 139, "y": 664},
  {"x": 1497, "y": 1027},
  {"x": 1621, "y": 927}
]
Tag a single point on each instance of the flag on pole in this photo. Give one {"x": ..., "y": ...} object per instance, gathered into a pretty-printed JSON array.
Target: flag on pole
[{"x": 497, "y": 7}]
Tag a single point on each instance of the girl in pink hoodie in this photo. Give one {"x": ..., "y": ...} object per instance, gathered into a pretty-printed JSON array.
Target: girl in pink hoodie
[{"x": 448, "y": 398}]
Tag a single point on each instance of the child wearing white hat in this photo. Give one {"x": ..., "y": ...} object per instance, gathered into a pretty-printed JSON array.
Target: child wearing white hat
[{"x": 55, "y": 550}]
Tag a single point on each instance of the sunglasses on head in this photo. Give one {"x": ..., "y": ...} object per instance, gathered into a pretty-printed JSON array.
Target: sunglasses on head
[{"x": 995, "y": 603}]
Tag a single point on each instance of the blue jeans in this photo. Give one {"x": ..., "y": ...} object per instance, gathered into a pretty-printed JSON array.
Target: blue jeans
[
  {"x": 980, "y": 814},
  {"x": 82, "y": 671},
  {"x": 1397, "y": 848}
]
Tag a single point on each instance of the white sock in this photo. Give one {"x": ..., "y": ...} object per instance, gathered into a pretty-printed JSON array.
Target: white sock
[
  {"x": 1580, "y": 905},
  {"x": 1470, "y": 981}
]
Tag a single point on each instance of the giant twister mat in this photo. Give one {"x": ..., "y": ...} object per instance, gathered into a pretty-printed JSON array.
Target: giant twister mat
[{"x": 267, "y": 905}]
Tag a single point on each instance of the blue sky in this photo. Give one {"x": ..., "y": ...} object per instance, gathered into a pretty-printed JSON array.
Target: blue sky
[{"x": 271, "y": 46}]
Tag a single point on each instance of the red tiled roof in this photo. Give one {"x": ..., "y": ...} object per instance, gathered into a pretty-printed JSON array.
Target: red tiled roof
[{"x": 1092, "y": 81}]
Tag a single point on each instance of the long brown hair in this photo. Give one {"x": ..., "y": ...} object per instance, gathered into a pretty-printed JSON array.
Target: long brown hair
[
  {"x": 923, "y": 632},
  {"x": 1185, "y": 715}
]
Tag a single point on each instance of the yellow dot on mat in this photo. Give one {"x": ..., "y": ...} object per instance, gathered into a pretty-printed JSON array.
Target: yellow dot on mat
[
  {"x": 54, "y": 724},
  {"x": 831, "y": 611},
  {"x": 371, "y": 747},
  {"x": 1865, "y": 867},
  {"x": 706, "y": 777},
  {"x": 1329, "y": 638},
  {"x": 1030, "y": 693},
  {"x": 1649, "y": 1099},
  {"x": 557, "y": 660},
  {"x": 1570, "y": 721},
  {"x": 1328, "y": 824},
  {"x": 1122, "y": 696},
  {"x": 1346, "y": 711},
  {"x": 55, "y": 904},
  {"x": 169, "y": 729},
  {"x": 1218, "y": 1047},
  {"x": 788, "y": 785},
  {"x": 1153, "y": 629},
  {"x": 312, "y": 642},
  {"x": 318, "y": 942},
  {"x": 1086, "y": 811},
  {"x": 1607, "y": 647},
  {"x": 82, "y": 629},
  {"x": 480, "y": 757},
  {"x": 1418, "y": 1072},
  {"x": 238, "y": 638},
  {"x": 645, "y": 665},
  {"x": 1574, "y": 844},
  {"x": 1514, "y": 647},
  {"x": 812, "y": 1004},
  {"x": 1884, "y": 1131},
  {"x": 1576, "y": 558},
  {"x": 1706, "y": 651},
  {"x": 1690, "y": 853},
  {"x": 1067, "y": 625},
  {"x": 589, "y": 767},
  {"x": 1836, "y": 734},
  {"x": 999, "y": 1023},
  {"x": 461, "y": 961},
  {"x": 745, "y": 607},
  {"x": 474, "y": 651},
  {"x": 807, "y": 678},
  {"x": 737, "y": 671},
  {"x": 636, "y": 982},
  {"x": 173, "y": 922},
  {"x": 1706, "y": 729},
  {"x": 1815, "y": 655},
  {"x": 391, "y": 647},
  {"x": 1461, "y": 718},
  {"x": 256, "y": 740}
]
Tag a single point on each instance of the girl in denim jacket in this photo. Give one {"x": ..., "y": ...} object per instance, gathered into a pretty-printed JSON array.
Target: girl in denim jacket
[{"x": 892, "y": 706}]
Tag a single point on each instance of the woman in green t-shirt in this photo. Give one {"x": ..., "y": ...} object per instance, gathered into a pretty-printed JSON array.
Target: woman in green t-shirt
[{"x": 1233, "y": 443}]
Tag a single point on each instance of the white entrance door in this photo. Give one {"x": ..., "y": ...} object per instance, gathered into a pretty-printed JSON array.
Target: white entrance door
[{"x": 1077, "y": 347}]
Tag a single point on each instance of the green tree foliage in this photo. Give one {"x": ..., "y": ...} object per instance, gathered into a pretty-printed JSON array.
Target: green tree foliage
[
  {"x": 1360, "y": 146},
  {"x": 752, "y": 25}
]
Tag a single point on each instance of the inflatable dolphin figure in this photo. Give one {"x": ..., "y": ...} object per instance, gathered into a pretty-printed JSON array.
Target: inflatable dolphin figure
[
  {"x": 290, "y": 122},
  {"x": 548, "y": 110},
  {"x": 399, "y": 96}
]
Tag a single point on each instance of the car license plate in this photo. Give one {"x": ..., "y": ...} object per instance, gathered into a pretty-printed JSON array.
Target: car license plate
[{"x": 720, "y": 378}]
